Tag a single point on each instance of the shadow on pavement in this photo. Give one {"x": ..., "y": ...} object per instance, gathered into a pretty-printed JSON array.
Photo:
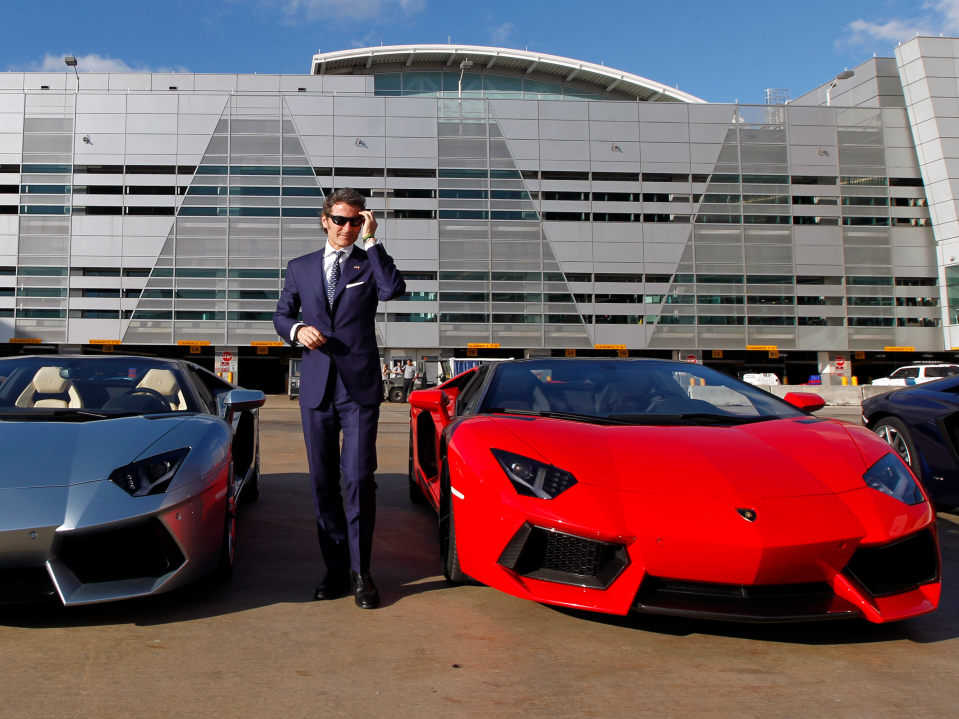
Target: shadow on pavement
[
  {"x": 941, "y": 625},
  {"x": 278, "y": 561}
]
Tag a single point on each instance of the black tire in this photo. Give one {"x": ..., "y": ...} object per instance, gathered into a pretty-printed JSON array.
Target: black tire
[
  {"x": 228, "y": 548},
  {"x": 251, "y": 492},
  {"x": 896, "y": 434},
  {"x": 416, "y": 494},
  {"x": 396, "y": 394},
  {"x": 447, "y": 527}
]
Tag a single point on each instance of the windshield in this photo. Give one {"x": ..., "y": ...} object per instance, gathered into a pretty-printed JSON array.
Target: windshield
[
  {"x": 61, "y": 386},
  {"x": 627, "y": 390}
]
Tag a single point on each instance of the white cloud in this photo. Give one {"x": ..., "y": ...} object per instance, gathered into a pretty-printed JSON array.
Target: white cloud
[
  {"x": 369, "y": 40},
  {"x": 500, "y": 35},
  {"x": 89, "y": 63},
  {"x": 369, "y": 10},
  {"x": 937, "y": 17}
]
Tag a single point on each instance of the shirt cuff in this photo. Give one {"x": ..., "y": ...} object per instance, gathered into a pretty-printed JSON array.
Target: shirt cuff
[
  {"x": 297, "y": 326},
  {"x": 369, "y": 243}
]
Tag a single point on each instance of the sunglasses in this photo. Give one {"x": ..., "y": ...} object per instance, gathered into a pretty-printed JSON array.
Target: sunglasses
[{"x": 339, "y": 220}]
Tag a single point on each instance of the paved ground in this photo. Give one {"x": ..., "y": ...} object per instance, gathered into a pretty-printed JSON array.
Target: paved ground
[{"x": 259, "y": 647}]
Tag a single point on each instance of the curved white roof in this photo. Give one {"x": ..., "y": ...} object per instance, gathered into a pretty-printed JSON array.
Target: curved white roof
[{"x": 493, "y": 56}]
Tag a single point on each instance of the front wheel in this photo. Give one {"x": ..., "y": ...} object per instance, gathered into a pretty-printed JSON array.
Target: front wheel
[
  {"x": 896, "y": 434},
  {"x": 447, "y": 524},
  {"x": 396, "y": 394},
  {"x": 252, "y": 493},
  {"x": 228, "y": 549}
]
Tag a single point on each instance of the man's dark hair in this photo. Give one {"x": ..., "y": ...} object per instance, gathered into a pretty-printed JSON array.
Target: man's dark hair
[{"x": 344, "y": 194}]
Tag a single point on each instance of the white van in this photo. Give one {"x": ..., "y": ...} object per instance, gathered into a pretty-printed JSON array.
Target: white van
[
  {"x": 761, "y": 379},
  {"x": 917, "y": 374}
]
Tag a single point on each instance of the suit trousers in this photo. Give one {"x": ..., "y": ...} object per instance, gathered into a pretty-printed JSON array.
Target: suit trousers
[{"x": 344, "y": 523}]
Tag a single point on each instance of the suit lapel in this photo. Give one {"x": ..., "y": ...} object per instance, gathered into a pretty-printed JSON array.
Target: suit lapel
[{"x": 349, "y": 268}]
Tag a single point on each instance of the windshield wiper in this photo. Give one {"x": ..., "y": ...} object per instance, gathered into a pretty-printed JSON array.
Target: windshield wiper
[
  {"x": 688, "y": 418},
  {"x": 556, "y": 415}
]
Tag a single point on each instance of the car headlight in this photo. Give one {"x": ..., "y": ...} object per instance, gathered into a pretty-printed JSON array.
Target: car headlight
[
  {"x": 149, "y": 476},
  {"x": 890, "y": 476},
  {"x": 533, "y": 478}
]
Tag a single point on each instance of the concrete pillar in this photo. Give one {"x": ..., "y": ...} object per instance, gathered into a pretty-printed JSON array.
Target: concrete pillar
[{"x": 833, "y": 366}]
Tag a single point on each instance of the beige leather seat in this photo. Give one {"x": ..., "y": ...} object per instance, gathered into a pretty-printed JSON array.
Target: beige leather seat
[
  {"x": 164, "y": 382},
  {"x": 49, "y": 389}
]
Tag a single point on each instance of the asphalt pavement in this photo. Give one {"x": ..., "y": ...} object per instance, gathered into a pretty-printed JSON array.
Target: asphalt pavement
[{"x": 257, "y": 646}]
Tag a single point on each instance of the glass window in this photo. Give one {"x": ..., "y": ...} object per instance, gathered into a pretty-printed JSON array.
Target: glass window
[
  {"x": 472, "y": 82},
  {"x": 544, "y": 90},
  {"x": 496, "y": 85},
  {"x": 629, "y": 391},
  {"x": 387, "y": 83},
  {"x": 125, "y": 385},
  {"x": 421, "y": 83}
]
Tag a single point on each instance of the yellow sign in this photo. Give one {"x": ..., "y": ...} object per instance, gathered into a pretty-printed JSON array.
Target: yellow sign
[
  {"x": 266, "y": 344},
  {"x": 193, "y": 343},
  {"x": 104, "y": 342},
  {"x": 763, "y": 348},
  {"x": 483, "y": 345},
  {"x": 610, "y": 347},
  {"x": 194, "y": 349},
  {"x": 899, "y": 349},
  {"x": 570, "y": 353},
  {"x": 773, "y": 354},
  {"x": 717, "y": 354},
  {"x": 263, "y": 350},
  {"x": 471, "y": 353},
  {"x": 622, "y": 353},
  {"x": 108, "y": 348},
  {"x": 859, "y": 355},
  {"x": 25, "y": 341}
]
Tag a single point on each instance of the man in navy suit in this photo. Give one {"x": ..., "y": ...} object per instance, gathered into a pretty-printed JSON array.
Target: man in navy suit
[{"x": 338, "y": 288}]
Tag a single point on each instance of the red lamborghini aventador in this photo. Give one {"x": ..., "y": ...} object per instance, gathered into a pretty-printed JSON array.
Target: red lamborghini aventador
[{"x": 664, "y": 487}]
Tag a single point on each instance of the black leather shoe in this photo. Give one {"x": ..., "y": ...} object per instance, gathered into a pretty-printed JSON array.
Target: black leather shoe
[
  {"x": 364, "y": 591},
  {"x": 333, "y": 586}
]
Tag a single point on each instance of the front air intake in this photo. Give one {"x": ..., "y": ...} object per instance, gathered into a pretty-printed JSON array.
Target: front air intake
[
  {"x": 896, "y": 567},
  {"x": 140, "y": 550},
  {"x": 540, "y": 553}
]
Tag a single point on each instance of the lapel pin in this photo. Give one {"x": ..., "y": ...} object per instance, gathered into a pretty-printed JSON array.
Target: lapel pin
[{"x": 356, "y": 267}]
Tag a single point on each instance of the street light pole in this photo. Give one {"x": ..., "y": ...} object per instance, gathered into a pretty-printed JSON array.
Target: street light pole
[
  {"x": 464, "y": 66},
  {"x": 845, "y": 75},
  {"x": 72, "y": 62}
]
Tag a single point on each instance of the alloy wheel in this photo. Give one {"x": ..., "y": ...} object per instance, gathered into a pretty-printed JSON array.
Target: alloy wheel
[{"x": 895, "y": 439}]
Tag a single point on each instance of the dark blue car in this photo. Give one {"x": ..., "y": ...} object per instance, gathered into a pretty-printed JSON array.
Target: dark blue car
[{"x": 922, "y": 425}]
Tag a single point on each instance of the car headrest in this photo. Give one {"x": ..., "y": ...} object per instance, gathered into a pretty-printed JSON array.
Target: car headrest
[
  {"x": 161, "y": 380},
  {"x": 47, "y": 380}
]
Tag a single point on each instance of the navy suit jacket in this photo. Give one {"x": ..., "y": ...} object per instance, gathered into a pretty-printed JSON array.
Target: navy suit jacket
[{"x": 350, "y": 330}]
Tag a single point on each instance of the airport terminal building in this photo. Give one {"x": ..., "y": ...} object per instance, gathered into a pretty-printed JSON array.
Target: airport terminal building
[{"x": 535, "y": 205}]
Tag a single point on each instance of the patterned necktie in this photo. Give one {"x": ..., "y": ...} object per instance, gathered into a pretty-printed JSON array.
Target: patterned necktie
[{"x": 334, "y": 277}]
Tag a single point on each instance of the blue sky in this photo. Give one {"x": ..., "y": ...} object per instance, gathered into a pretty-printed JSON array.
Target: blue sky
[{"x": 720, "y": 51}]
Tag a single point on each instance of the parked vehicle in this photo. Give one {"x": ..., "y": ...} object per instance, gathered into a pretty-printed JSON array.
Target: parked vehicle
[
  {"x": 917, "y": 374},
  {"x": 922, "y": 424},
  {"x": 617, "y": 485},
  {"x": 120, "y": 475},
  {"x": 761, "y": 378}
]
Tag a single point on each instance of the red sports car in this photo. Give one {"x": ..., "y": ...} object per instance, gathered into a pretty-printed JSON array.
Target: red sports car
[{"x": 664, "y": 487}]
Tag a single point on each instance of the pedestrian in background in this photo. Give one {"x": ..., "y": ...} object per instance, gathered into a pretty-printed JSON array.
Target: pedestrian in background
[{"x": 409, "y": 377}]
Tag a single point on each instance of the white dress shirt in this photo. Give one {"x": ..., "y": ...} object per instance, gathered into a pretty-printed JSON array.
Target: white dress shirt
[{"x": 329, "y": 252}]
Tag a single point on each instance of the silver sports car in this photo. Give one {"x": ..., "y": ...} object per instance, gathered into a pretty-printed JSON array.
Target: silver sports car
[{"x": 119, "y": 476}]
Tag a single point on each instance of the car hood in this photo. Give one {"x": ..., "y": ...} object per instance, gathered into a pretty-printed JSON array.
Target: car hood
[
  {"x": 775, "y": 458},
  {"x": 51, "y": 454}
]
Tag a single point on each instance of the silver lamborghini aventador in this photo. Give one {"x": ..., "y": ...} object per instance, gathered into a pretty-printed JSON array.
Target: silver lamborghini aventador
[{"x": 119, "y": 476}]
